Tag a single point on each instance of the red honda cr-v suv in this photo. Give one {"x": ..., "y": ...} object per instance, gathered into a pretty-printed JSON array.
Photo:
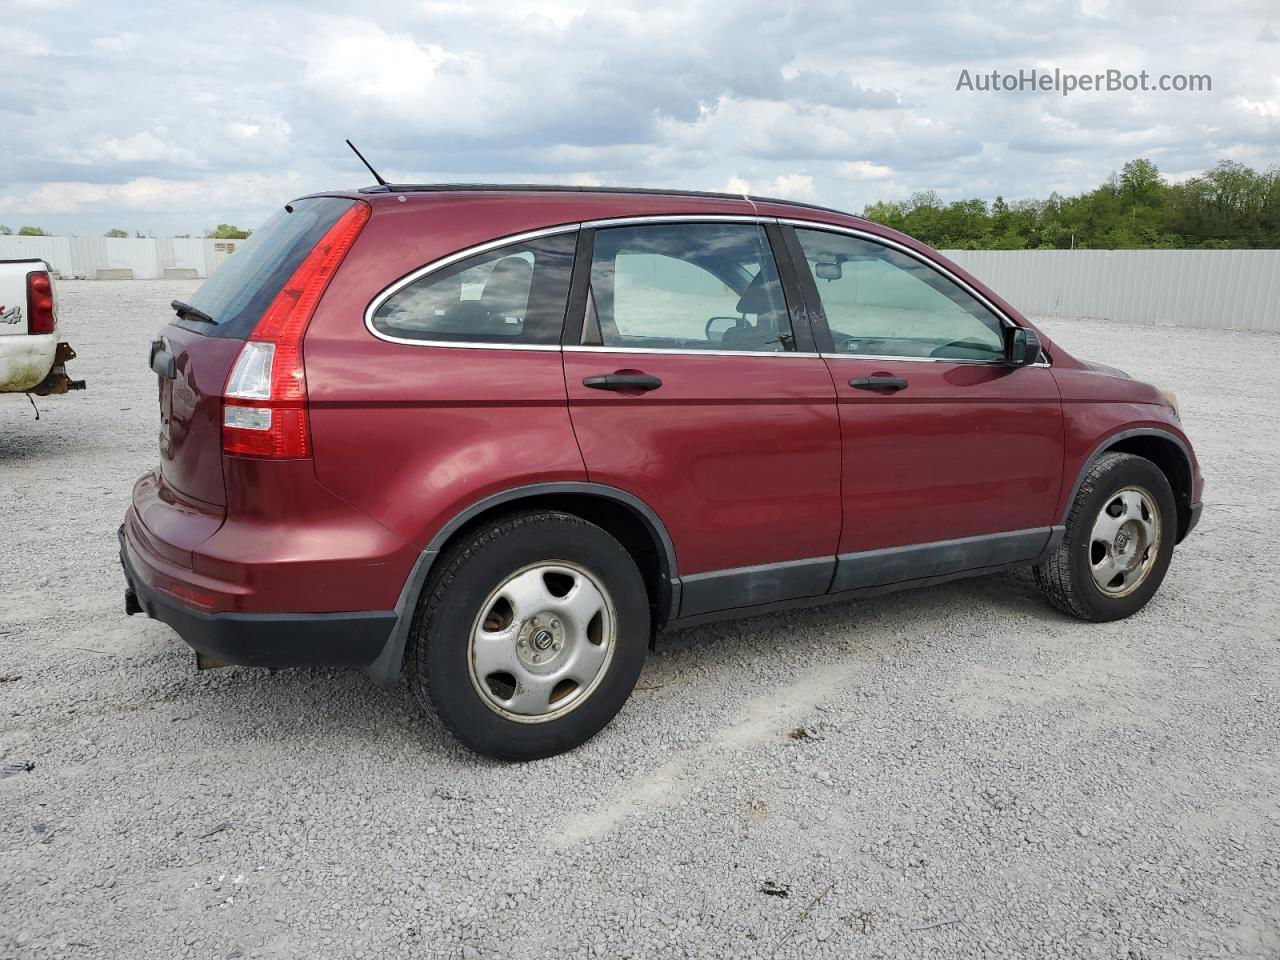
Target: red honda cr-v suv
[{"x": 493, "y": 438}]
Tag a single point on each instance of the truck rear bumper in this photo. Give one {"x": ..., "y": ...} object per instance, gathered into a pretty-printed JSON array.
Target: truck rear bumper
[
  {"x": 260, "y": 639},
  {"x": 25, "y": 360}
]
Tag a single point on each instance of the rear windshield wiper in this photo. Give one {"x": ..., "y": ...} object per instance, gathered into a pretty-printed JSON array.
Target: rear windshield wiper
[{"x": 186, "y": 311}]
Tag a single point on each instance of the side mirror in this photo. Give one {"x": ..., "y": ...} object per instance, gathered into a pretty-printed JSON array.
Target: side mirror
[{"x": 1022, "y": 346}]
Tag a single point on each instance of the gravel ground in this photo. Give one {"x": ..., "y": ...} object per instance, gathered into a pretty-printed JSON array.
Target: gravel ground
[{"x": 983, "y": 776}]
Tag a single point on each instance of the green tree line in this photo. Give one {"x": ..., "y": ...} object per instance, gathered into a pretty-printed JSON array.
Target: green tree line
[{"x": 1228, "y": 207}]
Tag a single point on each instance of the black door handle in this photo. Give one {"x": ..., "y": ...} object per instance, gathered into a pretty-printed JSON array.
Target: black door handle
[
  {"x": 878, "y": 382},
  {"x": 622, "y": 381},
  {"x": 162, "y": 361}
]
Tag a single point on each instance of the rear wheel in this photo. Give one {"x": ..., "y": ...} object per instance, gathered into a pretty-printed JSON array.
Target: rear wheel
[
  {"x": 531, "y": 635},
  {"x": 1118, "y": 542}
]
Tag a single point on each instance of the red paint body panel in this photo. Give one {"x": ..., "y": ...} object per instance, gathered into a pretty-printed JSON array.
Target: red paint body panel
[
  {"x": 964, "y": 450},
  {"x": 437, "y": 429},
  {"x": 1098, "y": 404},
  {"x": 168, "y": 524},
  {"x": 443, "y": 427},
  {"x": 191, "y": 413},
  {"x": 739, "y": 456},
  {"x": 287, "y": 544}
]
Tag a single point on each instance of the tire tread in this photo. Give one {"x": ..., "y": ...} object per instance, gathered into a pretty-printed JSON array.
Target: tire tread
[
  {"x": 446, "y": 570},
  {"x": 1054, "y": 577}
]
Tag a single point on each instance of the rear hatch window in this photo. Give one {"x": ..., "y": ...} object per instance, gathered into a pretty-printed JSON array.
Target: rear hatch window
[
  {"x": 236, "y": 296},
  {"x": 242, "y": 288}
]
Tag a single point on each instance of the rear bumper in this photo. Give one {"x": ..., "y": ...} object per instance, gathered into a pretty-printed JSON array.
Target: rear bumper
[
  {"x": 261, "y": 639},
  {"x": 25, "y": 359}
]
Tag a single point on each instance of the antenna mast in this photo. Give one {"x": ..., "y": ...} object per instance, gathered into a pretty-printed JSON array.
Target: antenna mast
[{"x": 376, "y": 176}]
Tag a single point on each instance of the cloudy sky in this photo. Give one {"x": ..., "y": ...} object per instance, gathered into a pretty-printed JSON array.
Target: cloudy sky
[{"x": 171, "y": 117}]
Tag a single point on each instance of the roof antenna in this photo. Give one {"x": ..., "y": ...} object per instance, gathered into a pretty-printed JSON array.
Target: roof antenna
[{"x": 381, "y": 182}]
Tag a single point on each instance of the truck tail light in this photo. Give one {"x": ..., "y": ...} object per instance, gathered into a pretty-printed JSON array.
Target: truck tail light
[
  {"x": 40, "y": 315},
  {"x": 264, "y": 403}
]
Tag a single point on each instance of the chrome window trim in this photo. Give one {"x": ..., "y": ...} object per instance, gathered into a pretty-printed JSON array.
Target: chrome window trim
[
  {"x": 439, "y": 264},
  {"x": 876, "y": 356},
  {"x": 872, "y": 356},
  {"x": 590, "y": 348},
  {"x": 467, "y": 344},
  {"x": 677, "y": 218}
]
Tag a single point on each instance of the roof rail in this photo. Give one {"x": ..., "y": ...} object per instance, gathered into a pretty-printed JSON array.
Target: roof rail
[{"x": 566, "y": 188}]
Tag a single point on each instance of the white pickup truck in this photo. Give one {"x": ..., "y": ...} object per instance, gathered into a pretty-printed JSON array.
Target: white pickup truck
[{"x": 32, "y": 358}]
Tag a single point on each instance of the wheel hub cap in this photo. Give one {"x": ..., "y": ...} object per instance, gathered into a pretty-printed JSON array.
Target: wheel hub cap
[
  {"x": 1125, "y": 541},
  {"x": 542, "y": 641}
]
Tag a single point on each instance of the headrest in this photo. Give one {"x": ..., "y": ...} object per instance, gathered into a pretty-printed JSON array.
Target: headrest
[
  {"x": 506, "y": 289},
  {"x": 756, "y": 299}
]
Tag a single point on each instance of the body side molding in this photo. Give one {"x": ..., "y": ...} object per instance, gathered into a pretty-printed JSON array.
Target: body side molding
[
  {"x": 875, "y": 568},
  {"x": 749, "y": 586}
]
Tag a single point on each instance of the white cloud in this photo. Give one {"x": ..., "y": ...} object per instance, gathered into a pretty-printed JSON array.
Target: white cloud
[
  {"x": 118, "y": 42},
  {"x": 213, "y": 107},
  {"x": 145, "y": 146},
  {"x": 863, "y": 170},
  {"x": 154, "y": 194},
  {"x": 16, "y": 42},
  {"x": 786, "y": 186}
]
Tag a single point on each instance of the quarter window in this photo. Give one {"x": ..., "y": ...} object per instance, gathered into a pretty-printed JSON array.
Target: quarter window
[
  {"x": 686, "y": 286},
  {"x": 880, "y": 302},
  {"x": 515, "y": 294}
]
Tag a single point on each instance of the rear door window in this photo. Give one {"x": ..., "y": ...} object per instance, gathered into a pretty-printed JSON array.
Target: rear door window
[
  {"x": 239, "y": 291},
  {"x": 514, "y": 294},
  {"x": 687, "y": 286}
]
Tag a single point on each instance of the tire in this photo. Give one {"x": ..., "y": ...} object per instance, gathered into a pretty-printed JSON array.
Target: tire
[
  {"x": 511, "y": 607},
  {"x": 1138, "y": 502}
]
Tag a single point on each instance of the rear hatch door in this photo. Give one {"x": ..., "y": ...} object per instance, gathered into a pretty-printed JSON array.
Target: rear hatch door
[{"x": 204, "y": 351}]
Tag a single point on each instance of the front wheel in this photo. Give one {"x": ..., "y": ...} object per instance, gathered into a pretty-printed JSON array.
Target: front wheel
[
  {"x": 531, "y": 635},
  {"x": 1118, "y": 542}
]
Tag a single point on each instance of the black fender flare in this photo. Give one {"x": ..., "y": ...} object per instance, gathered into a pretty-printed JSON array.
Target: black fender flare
[
  {"x": 386, "y": 667},
  {"x": 1109, "y": 441}
]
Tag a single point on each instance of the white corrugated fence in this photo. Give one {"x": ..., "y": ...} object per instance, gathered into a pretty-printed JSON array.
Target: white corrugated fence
[
  {"x": 122, "y": 258},
  {"x": 1213, "y": 289}
]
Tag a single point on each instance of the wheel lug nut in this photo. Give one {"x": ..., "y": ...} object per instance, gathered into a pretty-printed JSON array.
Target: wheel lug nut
[{"x": 536, "y": 658}]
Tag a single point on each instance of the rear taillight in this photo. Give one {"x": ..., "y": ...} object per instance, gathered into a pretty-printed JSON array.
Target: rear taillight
[
  {"x": 264, "y": 405},
  {"x": 40, "y": 318}
]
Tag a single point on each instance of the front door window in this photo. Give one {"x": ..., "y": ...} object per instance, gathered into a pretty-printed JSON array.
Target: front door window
[{"x": 881, "y": 302}]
